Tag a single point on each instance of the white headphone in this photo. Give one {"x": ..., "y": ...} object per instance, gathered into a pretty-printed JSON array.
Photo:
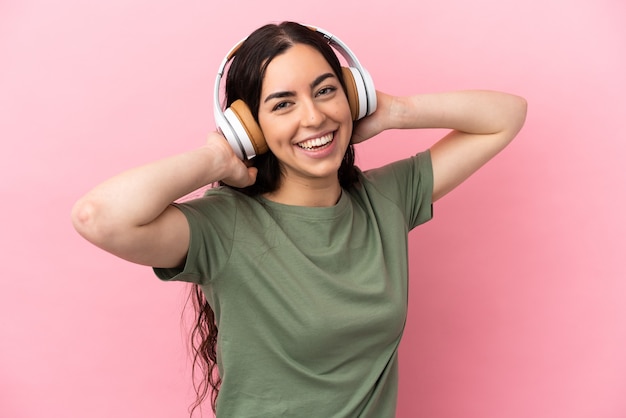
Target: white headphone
[{"x": 243, "y": 133}]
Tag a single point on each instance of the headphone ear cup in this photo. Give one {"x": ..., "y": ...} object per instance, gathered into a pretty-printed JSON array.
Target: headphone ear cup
[
  {"x": 249, "y": 131},
  {"x": 358, "y": 94},
  {"x": 351, "y": 92},
  {"x": 370, "y": 91},
  {"x": 224, "y": 126}
]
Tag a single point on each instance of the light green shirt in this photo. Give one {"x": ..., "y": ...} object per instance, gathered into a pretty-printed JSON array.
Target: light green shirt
[{"x": 310, "y": 302}]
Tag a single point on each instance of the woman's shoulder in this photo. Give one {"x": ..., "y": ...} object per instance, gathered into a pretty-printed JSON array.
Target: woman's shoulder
[
  {"x": 406, "y": 184},
  {"x": 418, "y": 166}
]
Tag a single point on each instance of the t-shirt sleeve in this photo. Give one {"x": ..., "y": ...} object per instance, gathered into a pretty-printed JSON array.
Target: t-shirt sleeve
[
  {"x": 211, "y": 222},
  {"x": 409, "y": 183}
]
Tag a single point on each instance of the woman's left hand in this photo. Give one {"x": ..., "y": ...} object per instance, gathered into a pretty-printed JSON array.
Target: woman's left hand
[{"x": 375, "y": 123}]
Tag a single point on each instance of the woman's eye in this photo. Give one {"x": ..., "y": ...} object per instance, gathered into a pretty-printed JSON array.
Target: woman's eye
[
  {"x": 326, "y": 90},
  {"x": 281, "y": 105}
]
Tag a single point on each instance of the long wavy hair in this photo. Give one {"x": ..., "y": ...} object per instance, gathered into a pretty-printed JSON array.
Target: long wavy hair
[{"x": 244, "y": 81}]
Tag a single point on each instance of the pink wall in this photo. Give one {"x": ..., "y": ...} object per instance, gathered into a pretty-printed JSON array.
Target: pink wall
[{"x": 517, "y": 285}]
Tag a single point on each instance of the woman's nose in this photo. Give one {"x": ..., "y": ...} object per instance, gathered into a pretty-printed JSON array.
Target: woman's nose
[{"x": 312, "y": 115}]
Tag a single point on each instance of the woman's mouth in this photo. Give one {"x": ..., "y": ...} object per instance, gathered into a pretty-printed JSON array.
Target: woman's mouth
[{"x": 316, "y": 143}]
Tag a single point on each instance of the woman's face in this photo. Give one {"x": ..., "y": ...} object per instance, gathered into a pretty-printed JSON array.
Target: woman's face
[{"x": 304, "y": 115}]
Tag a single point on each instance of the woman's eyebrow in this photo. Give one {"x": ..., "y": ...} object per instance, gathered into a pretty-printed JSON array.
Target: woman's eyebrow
[
  {"x": 282, "y": 94},
  {"x": 279, "y": 95},
  {"x": 321, "y": 78}
]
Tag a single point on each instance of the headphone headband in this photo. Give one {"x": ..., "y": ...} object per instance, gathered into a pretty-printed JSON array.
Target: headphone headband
[{"x": 337, "y": 44}]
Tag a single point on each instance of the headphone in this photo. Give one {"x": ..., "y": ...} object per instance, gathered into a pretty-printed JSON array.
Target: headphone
[{"x": 243, "y": 133}]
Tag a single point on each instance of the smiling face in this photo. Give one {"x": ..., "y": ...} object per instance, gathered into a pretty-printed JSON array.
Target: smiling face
[{"x": 305, "y": 117}]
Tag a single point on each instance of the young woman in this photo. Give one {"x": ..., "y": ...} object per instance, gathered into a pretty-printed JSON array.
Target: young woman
[{"x": 301, "y": 256}]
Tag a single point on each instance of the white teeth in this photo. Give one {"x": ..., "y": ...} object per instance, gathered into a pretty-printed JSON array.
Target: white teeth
[{"x": 317, "y": 142}]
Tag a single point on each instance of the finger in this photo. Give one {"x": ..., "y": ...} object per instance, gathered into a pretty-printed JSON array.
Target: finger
[{"x": 252, "y": 173}]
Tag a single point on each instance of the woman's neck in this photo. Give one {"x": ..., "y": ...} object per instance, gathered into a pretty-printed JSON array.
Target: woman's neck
[{"x": 306, "y": 193}]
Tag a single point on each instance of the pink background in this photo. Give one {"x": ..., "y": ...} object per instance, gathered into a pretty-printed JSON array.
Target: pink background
[{"x": 518, "y": 284}]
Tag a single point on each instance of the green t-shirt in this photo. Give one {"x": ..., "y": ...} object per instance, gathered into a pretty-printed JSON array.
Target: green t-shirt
[{"x": 310, "y": 302}]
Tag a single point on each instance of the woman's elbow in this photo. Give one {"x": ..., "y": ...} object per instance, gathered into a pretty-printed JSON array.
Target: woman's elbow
[
  {"x": 88, "y": 221},
  {"x": 520, "y": 109}
]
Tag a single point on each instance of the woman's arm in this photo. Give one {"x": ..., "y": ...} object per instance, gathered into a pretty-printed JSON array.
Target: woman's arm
[
  {"x": 482, "y": 124},
  {"x": 130, "y": 214}
]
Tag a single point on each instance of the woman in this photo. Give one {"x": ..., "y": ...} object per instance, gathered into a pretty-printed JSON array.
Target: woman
[{"x": 302, "y": 257}]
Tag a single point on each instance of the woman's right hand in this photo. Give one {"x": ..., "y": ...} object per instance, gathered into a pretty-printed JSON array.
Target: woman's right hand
[{"x": 237, "y": 173}]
